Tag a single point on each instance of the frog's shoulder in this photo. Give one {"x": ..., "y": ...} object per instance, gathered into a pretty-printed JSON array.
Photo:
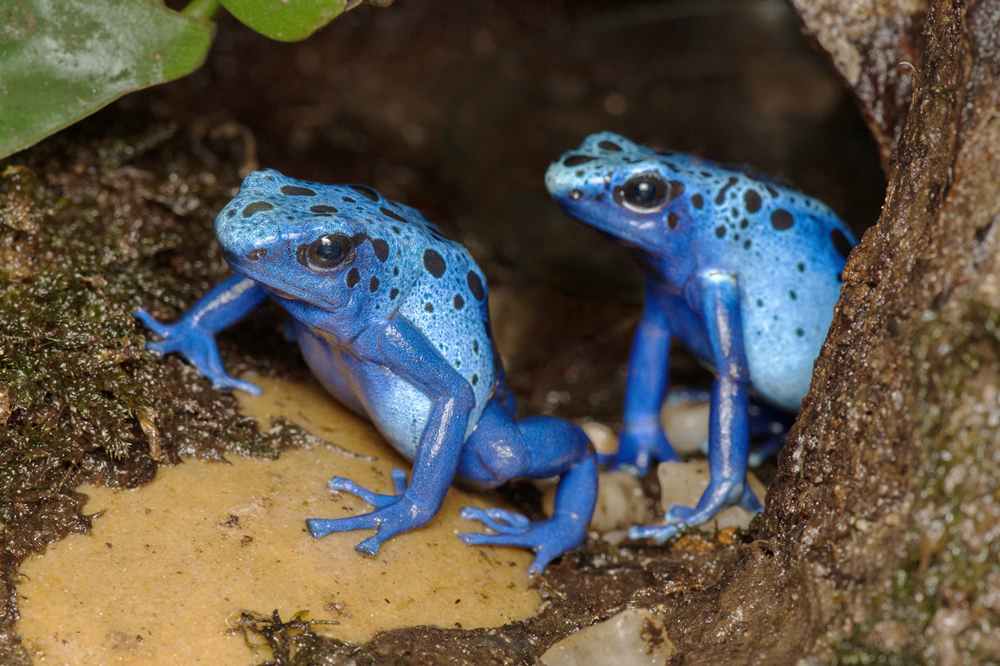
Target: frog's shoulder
[{"x": 447, "y": 280}]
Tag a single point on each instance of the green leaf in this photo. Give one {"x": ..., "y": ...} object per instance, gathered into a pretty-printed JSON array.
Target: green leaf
[
  {"x": 61, "y": 60},
  {"x": 285, "y": 20}
]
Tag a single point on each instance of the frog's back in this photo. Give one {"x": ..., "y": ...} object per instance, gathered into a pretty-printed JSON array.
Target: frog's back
[
  {"x": 447, "y": 301},
  {"x": 788, "y": 251}
]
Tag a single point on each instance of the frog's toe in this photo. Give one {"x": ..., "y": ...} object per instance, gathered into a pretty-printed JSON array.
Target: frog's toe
[
  {"x": 151, "y": 322},
  {"x": 655, "y": 533},
  {"x": 676, "y": 520},
  {"x": 608, "y": 460},
  {"x": 369, "y": 546},
  {"x": 161, "y": 347},
  {"x": 761, "y": 453},
  {"x": 679, "y": 514},
  {"x": 321, "y": 527},
  {"x": 223, "y": 381},
  {"x": 498, "y": 520},
  {"x": 548, "y": 539},
  {"x": 749, "y": 500},
  {"x": 399, "y": 480},
  {"x": 378, "y": 500}
]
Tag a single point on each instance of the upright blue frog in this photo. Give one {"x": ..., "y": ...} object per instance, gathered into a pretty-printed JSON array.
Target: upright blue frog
[
  {"x": 744, "y": 271},
  {"x": 392, "y": 318}
]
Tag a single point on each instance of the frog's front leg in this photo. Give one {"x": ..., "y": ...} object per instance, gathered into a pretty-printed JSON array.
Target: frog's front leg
[
  {"x": 193, "y": 335},
  {"x": 715, "y": 294},
  {"x": 405, "y": 351},
  {"x": 642, "y": 442}
]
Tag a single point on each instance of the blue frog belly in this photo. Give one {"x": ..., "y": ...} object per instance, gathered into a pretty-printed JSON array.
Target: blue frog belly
[
  {"x": 780, "y": 379},
  {"x": 397, "y": 409}
]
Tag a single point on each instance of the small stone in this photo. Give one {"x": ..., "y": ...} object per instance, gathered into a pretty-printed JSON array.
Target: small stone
[
  {"x": 686, "y": 425},
  {"x": 684, "y": 482},
  {"x": 620, "y": 502},
  {"x": 601, "y": 436},
  {"x": 633, "y": 637}
]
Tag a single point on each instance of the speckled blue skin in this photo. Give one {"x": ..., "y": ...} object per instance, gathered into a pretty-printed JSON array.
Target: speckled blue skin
[
  {"x": 745, "y": 272},
  {"x": 397, "y": 329}
]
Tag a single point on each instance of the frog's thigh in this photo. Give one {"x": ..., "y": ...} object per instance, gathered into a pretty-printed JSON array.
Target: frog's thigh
[
  {"x": 501, "y": 448},
  {"x": 494, "y": 452}
]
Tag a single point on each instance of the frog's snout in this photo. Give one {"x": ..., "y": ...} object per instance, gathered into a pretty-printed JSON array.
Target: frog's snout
[
  {"x": 552, "y": 178},
  {"x": 561, "y": 181},
  {"x": 246, "y": 229}
]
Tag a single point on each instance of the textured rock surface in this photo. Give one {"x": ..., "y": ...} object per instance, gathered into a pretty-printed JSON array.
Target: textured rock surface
[
  {"x": 875, "y": 45},
  {"x": 631, "y": 638}
]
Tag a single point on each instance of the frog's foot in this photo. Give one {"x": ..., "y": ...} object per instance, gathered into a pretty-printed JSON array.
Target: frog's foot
[
  {"x": 639, "y": 450},
  {"x": 394, "y": 514},
  {"x": 548, "y": 538},
  {"x": 716, "y": 497},
  {"x": 197, "y": 346},
  {"x": 498, "y": 520},
  {"x": 377, "y": 500}
]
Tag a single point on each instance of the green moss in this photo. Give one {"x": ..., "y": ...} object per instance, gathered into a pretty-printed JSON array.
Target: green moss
[{"x": 85, "y": 238}]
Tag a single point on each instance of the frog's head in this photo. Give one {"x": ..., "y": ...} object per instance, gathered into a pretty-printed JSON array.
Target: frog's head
[
  {"x": 307, "y": 243},
  {"x": 620, "y": 187}
]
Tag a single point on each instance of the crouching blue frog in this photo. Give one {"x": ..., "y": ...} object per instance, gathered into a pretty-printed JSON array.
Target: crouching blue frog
[
  {"x": 392, "y": 318},
  {"x": 745, "y": 272}
]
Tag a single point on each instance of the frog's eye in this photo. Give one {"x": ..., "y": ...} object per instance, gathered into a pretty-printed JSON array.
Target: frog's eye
[
  {"x": 642, "y": 193},
  {"x": 326, "y": 252}
]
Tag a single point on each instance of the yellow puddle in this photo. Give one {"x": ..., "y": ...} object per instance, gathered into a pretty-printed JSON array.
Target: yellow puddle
[{"x": 168, "y": 567}]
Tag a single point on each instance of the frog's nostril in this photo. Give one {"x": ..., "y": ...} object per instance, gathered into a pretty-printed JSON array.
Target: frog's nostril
[
  {"x": 577, "y": 160},
  {"x": 257, "y": 254}
]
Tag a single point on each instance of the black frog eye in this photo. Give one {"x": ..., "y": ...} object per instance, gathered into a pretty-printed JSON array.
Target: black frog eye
[
  {"x": 643, "y": 193},
  {"x": 326, "y": 252}
]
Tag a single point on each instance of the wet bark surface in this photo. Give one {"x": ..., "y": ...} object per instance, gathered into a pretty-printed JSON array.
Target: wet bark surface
[
  {"x": 882, "y": 521},
  {"x": 878, "y": 542}
]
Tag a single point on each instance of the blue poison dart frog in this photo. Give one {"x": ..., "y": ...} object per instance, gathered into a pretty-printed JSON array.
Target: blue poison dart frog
[
  {"x": 744, "y": 271},
  {"x": 392, "y": 318}
]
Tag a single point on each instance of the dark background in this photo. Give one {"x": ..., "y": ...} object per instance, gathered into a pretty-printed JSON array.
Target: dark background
[{"x": 458, "y": 107}]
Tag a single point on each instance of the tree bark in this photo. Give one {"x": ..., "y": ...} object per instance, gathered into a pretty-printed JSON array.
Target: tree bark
[{"x": 881, "y": 534}]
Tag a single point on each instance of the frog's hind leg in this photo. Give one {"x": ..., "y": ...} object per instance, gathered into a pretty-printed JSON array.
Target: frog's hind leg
[
  {"x": 501, "y": 449},
  {"x": 768, "y": 425}
]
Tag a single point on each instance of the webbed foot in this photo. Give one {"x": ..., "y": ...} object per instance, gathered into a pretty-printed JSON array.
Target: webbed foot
[
  {"x": 197, "y": 346},
  {"x": 377, "y": 500},
  {"x": 548, "y": 539},
  {"x": 393, "y": 514},
  {"x": 639, "y": 450},
  {"x": 718, "y": 496}
]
